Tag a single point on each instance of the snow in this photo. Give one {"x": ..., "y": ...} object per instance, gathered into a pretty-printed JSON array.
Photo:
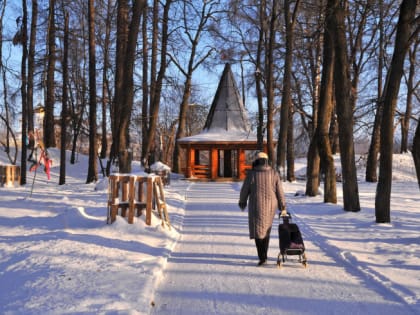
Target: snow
[
  {"x": 215, "y": 134},
  {"x": 58, "y": 255}
]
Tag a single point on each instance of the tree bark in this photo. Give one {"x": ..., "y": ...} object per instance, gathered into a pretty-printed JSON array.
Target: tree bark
[
  {"x": 259, "y": 76},
  {"x": 62, "y": 179},
  {"x": 344, "y": 105},
  {"x": 372, "y": 158},
  {"x": 383, "y": 191},
  {"x": 49, "y": 130},
  {"x": 416, "y": 152},
  {"x": 156, "y": 91},
  {"x": 313, "y": 159},
  {"x": 325, "y": 110},
  {"x": 405, "y": 122},
  {"x": 92, "y": 175},
  {"x": 31, "y": 73},
  {"x": 24, "y": 34},
  {"x": 270, "y": 81},
  {"x": 106, "y": 97},
  {"x": 125, "y": 157},
  {"x": 286, "y": 113}
]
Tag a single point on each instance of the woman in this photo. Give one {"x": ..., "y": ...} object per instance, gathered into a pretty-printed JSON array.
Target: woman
[{"x": 262, "y": 190}]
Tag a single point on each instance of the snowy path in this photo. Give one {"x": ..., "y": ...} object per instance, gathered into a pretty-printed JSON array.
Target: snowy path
[{"x": 212, "y": 270}]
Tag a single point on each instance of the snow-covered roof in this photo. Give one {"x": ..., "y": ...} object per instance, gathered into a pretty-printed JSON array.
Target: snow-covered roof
[
  {"x": 220, "y": 135},
  {"x": 227, "y": 119}
]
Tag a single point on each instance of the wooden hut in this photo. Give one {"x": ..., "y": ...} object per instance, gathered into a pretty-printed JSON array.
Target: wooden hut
[{"x": 225, "y": 148}]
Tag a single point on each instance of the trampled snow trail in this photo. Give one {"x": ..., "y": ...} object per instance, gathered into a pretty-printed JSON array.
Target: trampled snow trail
[{"x": 212, "y": 270}]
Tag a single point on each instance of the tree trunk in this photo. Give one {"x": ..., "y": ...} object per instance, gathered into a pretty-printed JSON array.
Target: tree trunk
[
  {"x": 270, "y": 81},
  {"x": 313, "y": 159},
  {"x": 24, "y": 34},
  {"x": 335, "y": 143},
  {"x": 182, "y": 118},
  {"x": 416, "y": 152},
  {"x": 286, "y": 113},
  {"x": 290, "y": 156},
  {"x": 405, "y": 123},
  {"x": 157, "y": 90},
  {"x": 121, "y": 49},
  {"x": 31, "y": 72},
  {"x": 372, "y": 158},
  {"x": 92, "y": 175},
  {"x": 49, "y": 130},
  {"x": 325, "y": 110},
  {"x": 344, "y": 106},
  {"x": 313, "y": 168},
  {"x": 193, "y": 34},
  {"x": 106, "y": 97},
  {"x": 383, "y": 191},
  {"x": 145, "y": 85},
  {"x": 259, "y": 76},
  {"x": 62, "y": 179},
  {"x": 125, "y": 154}
]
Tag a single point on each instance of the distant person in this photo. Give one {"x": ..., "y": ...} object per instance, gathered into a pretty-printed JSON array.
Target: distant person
[{"x": 262, "y": 190}]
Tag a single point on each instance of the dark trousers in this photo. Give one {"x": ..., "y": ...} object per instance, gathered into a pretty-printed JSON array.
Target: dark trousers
[{"x": 262, "y": 246}]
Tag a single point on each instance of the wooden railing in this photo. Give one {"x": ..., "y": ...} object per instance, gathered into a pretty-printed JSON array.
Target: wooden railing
[
  {"x": 129, "y": 195},
  {"x": 9, "y": 174},
  {"x": 200, "y": 171}
]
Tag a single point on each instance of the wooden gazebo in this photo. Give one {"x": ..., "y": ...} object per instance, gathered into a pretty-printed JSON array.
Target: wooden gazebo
[{"x": 225, "y": 148}]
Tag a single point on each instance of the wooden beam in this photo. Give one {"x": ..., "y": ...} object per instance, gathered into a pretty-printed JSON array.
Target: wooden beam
[{"x": 214, "y": 163}]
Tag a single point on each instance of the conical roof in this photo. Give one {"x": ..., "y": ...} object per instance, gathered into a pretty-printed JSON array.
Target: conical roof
[
  {"x": 227, "y": 111},
  {"x": 227, "y": 120}
]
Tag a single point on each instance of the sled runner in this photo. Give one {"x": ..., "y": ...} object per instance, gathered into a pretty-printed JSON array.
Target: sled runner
[{"x": 290, "y": 241}]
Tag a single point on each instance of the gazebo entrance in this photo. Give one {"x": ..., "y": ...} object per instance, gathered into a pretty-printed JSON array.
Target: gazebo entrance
[
  {"x": 225, "y": 149},
  {"x": 215, "y": 162},
  {"x": 227, "y": 163}
]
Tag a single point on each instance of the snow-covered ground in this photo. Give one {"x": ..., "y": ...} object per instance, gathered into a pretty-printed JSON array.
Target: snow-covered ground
[{"x": 58, "y": 255}]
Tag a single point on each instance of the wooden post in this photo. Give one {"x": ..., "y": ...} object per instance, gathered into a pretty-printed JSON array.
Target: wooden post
[
  {"x": 214, "y": 163},
  {"x": 131, "y": 198},
  {"x": 9, "y": 174},
  {"x": 241, "y": 164},
  {"x": 190, "y": 162},
  {"x": 115, "y": 200},
  {"x": 149, "y": 200}
]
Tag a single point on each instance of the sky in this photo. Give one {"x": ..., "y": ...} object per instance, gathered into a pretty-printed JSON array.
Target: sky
[{"x": 58, "y": 255}]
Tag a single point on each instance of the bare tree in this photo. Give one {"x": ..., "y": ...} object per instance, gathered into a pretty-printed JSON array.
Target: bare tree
[
  {"x": 124, "y": 86},
  {"x": 383, "y": 191},
  {"x": 258, "y": 74},
  {"x": 312, "y": 62},
  {"x": 106, "y": 97},
  {"x": 24, "y": 77},
  {"x": 411, "y": 88},
  {"x": 196, "y": 57},
  {"x": 416, "y": 152},
  {"x": 321, "y": 135},
  {"x": 7, "y": 117},
  {"x": 62, "y": 178},
  {"x": 92, "y": 175},
  {"x": 286, "y": 115},
  {"x": 273, "y": 25},
  {"x": 49, "y": 123},
  {"x": 156, "y": 81},
  {"x": 344, "y": 104},
  {"x": 31, "y": 73},
  {"x": 372, "y": 159}
]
